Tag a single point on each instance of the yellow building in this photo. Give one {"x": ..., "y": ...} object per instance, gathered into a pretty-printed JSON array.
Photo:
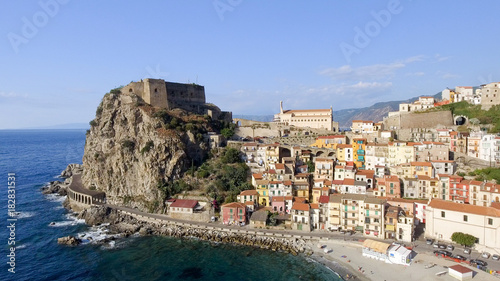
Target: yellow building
[
  {"x": 329, "y": 141},
  {"x": 263, "y": 190},
  {"x": 400, "y": 152},
  {"x": 421, "y": 168},
  {"x": 344, "y": 152},
  {"x": 302, "y": 189},
  {"x": 359, "y": 152}
]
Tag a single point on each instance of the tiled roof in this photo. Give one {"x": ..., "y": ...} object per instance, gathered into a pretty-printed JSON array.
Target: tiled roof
[
  {"x": 323, "y": 199},
  {"x": 428, "y": 164},
  {"x": 234, "y": 205},
  {"x": 331, "y": 137},
  {"x": 183, "y": 203},
  {"x": 464, "y": 208},
  {"x": 249, "y": 192},
  {"x": 300, "y": 206}
]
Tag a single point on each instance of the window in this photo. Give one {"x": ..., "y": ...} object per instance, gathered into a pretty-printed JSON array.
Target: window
[
  {"x": 490, "y": 221},
  {"x": 465, "y": 218},
  {"x": 230, "y": 210},
  {"x": 442, "y": 214}
]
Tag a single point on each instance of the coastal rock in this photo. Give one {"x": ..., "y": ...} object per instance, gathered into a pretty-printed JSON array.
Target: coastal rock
[
  {"x": 55, "y": 187},
  {"x": 69, "y": 240},
  {"x": 72, "y": 169},
  {"x": 129, "y": 150}
]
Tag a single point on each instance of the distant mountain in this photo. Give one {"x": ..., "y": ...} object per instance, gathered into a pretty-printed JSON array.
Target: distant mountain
[
  {"x": 375, "y": 113},
  {"x": 260, "y": 118}
]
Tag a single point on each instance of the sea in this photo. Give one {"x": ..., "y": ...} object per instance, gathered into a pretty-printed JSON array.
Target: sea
[{"x": 37, "y": 157}]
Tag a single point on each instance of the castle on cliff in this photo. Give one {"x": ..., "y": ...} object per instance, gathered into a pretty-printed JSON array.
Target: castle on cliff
[{"x": 170, "y": 95}]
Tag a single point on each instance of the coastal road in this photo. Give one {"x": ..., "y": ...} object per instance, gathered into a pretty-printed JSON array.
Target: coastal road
[{"x": 419, "y": 246}]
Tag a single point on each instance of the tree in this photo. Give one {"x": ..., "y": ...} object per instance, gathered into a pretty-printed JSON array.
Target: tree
[
  {"x": 310, "y": 166},
  {"x": 230, "y": 156},
  {"x": 227, "y": 132},
  {"x": 463, "y": 239}
]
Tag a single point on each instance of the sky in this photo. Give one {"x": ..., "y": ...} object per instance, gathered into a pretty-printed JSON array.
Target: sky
[{"x": 59, "y": 57}]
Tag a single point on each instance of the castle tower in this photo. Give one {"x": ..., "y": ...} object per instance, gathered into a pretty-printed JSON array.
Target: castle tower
[{"x": 281, "y": 107}]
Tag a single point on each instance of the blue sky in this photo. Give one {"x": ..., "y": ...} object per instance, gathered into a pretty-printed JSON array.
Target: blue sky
[{"x": 59, "y": 57}]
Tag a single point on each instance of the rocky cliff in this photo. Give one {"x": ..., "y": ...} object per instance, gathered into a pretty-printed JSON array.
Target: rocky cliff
[{"x": 132, "y": 147}]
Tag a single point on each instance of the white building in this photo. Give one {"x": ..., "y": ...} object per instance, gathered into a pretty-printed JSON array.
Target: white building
[
  {"x": 487, "y": 148},
  {"x": 312, "y": 118},
  {"x": 443, "y": 218}
]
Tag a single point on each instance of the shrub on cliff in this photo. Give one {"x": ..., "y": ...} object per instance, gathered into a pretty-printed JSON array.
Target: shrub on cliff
[
  {"x": 147, "y": 147},
  {"x": 231, "y": 155},
  {"x": 128, "y": 144}
]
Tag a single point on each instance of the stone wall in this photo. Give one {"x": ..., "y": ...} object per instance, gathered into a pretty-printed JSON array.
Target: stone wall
[{"x": 419, "y": 120}]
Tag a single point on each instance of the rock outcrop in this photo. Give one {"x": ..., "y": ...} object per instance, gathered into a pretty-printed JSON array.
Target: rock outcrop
[
  {"x": 69, "y": 240},
  {"x": 71, "y": 170},
  {"x": 131, "y": 148}
]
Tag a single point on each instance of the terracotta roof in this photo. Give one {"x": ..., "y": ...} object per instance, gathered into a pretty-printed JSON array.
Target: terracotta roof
[
  {"x": 344, "y": 146},
  {"x": 300, "y": 206},
  {"x": 250, "y": 144},
  {"x": 271, "y": 171},
  {"x": 428, "y": 164},
  {"x": 280, "y": 166},
  {"x": 337, "y": 182},
  {"x": 257, "y": 176},
  {"x": 278, "y": 199},
  {"x": 275, "y": 182},
  {"x": 288, "y": 197},
  {"x": 183, "y": 203},
  {"x": 323, "y": 199},
  {"x": 249, "y": 192},
  {"x": 369, "y": 173},
  {"x": 331, "y": 137},
  {"x": 287, "y": 182},
  {"x": 305, "y": 110},
  {"x": 249, "y": 203},
  {"x": 314, "y": 206},
  {"x": 234, "y": 205},
  {"x": 460, "y": 268},
  {"x": 299, "y": 199},
  {"x": 348, "y": 182},
  {"x": 464, "y": 208}
]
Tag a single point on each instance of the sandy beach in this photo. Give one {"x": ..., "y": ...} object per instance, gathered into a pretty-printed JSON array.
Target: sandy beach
[{"x": 345, "y": 258}]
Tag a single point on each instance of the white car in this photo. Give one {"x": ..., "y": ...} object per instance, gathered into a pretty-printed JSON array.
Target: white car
[{"x": 485, "y": 255}]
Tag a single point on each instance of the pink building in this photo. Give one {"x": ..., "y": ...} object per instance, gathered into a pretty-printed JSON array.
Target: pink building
[
  {"x": 234, "y": 213},
  {"x": 278, "y": 204}
]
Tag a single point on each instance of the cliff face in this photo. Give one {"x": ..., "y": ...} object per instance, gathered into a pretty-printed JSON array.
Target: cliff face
[{"x": 128, "y": 150}]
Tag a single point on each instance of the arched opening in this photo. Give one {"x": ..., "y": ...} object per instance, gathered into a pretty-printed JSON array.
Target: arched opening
[
  {"x": 319, "y": 153},
  {"x": 156, "y": 90},
  {"x": 331, "y": 153},
  {"x": 285, "y": 152},
  {"x": 130, "y": 90},
  {"x": 460, "y": 120}
]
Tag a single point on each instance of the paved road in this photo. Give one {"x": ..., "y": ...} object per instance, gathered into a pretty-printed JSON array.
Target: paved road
[{"x": 418, "y": 246}]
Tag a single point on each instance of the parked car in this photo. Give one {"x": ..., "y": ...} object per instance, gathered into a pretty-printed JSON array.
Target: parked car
[
  {"x": 495, "y": 257},
  {"x": 447, "y": 253},
  {"x": 485, "y": 255},
  {"x": 450, "y": 247},
  {"x": 436, "y": 245},
  {"x": 429, "y": 241},
  {"x": 466, "y": 251},
  {"x": 441, "y": 246},
  {"x": 479, "y": 262},
  {"x": 460, "y": 257}
]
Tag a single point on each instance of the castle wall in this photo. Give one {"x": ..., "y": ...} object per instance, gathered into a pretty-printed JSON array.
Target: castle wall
[
  {"x": 156, "y": 92},
  {"x": 190, "y": 97}
]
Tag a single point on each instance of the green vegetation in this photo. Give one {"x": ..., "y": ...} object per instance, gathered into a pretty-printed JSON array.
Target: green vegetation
[
  {"x": 271, "y": 218},
  {"x": 486, "y": 174},
  {"x": 171, "y": 188},
  {"x": 128, "y": 144},
  {"x": 310, "y": 166},
  {"x": 116, "y": 91},
  {"x": 463, "y": 239},
  {"x": 231, "y": 156},
  {"x": 98, "y": 111},
  {"x": 147, "y": 147},
  {"x": 462, "y": 174},
  {"x": 93, "y": 123},
  {"x": 491, "y": 116},
  {"x": 227, "y": 132}
]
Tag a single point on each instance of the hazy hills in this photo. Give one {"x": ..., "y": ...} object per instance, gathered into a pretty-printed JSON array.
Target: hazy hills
[{"x": 375, "y": 113}]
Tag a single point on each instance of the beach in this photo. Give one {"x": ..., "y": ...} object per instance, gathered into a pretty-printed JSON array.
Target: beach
[{"x": 345, "y": 258}]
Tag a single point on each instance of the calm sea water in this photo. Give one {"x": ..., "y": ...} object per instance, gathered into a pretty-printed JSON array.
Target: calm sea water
[{"x": 37, "y": 157}]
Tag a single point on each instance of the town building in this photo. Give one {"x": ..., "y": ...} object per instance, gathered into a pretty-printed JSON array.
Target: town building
[
  {"x": 301, "y": 216},
  {"x": 490, "y": 95},
  {"x": 330, "y": 142},
  {"x": 234, "y": 213},
  {"x": 443, "y": 218},
  {"x": 311, "y": 118}
]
